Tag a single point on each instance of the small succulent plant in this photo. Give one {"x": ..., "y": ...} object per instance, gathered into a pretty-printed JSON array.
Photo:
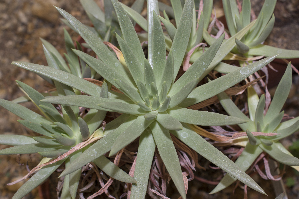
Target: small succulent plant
[
  {"x": 268, "y": 126},
  {"x": 238, "y": 17}
]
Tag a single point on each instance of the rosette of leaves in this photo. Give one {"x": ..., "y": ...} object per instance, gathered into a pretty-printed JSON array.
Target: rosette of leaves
[
  {"x": 251, "y": 44},
  {"x": 105, "y": 24},
  {"x": 152, "y": 103},
  {"x": 60, "y": 134},
  {"x": 268, "y": 123}
]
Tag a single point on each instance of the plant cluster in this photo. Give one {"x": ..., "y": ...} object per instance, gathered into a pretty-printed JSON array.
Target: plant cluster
[{"x": 154, "y": 99}]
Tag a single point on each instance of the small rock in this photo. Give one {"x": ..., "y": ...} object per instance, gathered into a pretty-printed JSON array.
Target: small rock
[{"x": 22, "y": 17}]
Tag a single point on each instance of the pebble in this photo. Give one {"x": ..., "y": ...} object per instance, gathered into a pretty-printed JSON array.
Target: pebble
[{"x": 46, "y": 11}]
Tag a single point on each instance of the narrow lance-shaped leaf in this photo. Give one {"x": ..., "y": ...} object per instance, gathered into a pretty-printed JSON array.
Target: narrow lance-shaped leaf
[
  {"x": 246, "y": 10},
  {"x": 83, "y": 129},
  {"x": 282, "y": 133},
  {"x": 36, "y": 127},
  {"x": 221, "y": 84},
  {"x": 169, "y": 122},
  {"x": 275, "y": 122},
  {"x": 253, "y": 100},
  {"x": 112, "y": 170},
  {"x": 169, "y": 156},
  {"x": 171, "y": 30},
  {"x": 182, "y": 94},
  {"x": 259, "y": 114},
  {"x": 280, "y": 95},
  {"x": 204, "y": 118},
  {"x": 130, "y": 134},
  {"x": 15, "y": 140},
  {"x": 231, "y": 108},
  {"x": 245, "y": 160},
  {"x": 229, "y": 17},
  {"x": 271, "y": 51},
  {"x": 128, "y": 32},
  {"x": 62, "y": 77},
  {"x": 92, "y": 7},
  {"x": 182, "y": 35},
  {"x": 141, "y": 21},
  {"x": 75, "y": 176},
  {"x": 143, "y": 165},
  {"x": 26, "y": 149}
]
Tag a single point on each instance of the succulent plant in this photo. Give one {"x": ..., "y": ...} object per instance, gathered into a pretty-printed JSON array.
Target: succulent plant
[
  {"x": 152, "y": 103},
  {"x": 63, "y": 136},
  {"x": 267, "y": 124},
  {"x": 105, "y": 24},
  {"x": 238, "y": 17}
]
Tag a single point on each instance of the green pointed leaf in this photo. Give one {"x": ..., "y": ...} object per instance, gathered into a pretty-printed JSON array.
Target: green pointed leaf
[
  {"x": 253, "y": 100},
  {"x": 47, "y": 141},
  {"x": 280, "y": 95},
  {"x": 112, "y": 170},
  {"x": 181, "y": 38},
  {"x": 83, "y": 129},
  {"x": 246, "y": 12},
  {"x": 128, "y": 32},
  {"x": 128, "y": 90},
  {"x": 140, "y": 20},
  {"x": 149, "y": 76},
  {"x": 222, "y": 83},
  {"x": 143, "y": 165},
  {"x": 182, "y": 94},
  {"x": 280, "y": 156},
  {"x": 142, "y": 90},
  {"x": 135, "y": 66},
  {"x": 95, "y": 119},
  {"x": 54, "y": 153},
  {"x": 15, "y": 140},
  {"x": 204, "y": 118},
  {"x": 151, "y": 115},
  {"x": 229, "y": 16},
  {"x": 75, "y": 176},
  {"x": 275, "y": 122},
  {"x": 169, "y": 156},
  {"x": 177, "y": 9},
  {"x": 282, "y": 133},
  {"x": 36, "y": 179},
  {"x": 267, "y": 11},
  {"x": 269, "y": 51},
  {"x": 267, "y": 142},
  {"x": 167, "y": 76},
  {"x": 255, "y": 29},
  {"x": 65, "y": 192},
  {"x": 266, "y": 32},
  {"x": 95, "y": 43},
  {"x": 65, "y": 128},
  {"x": 242, "y": 48},
  {"x": 251, "y": 138},
  {"x": 92, "y": 7},
  {"x": 207, "y": 11},
  {"x": 245, "y": 160},
  {"x": 130, "y": 134},
  {"x": 152, "y": 6},
  {"x": 56, "y": 55},
  {"x": 62, "y": 77},
  {"x": 259, "y": 114},
  {"x": 225, "y": 68},
  {"x": 233, "y": 110},
  {"x": 22, "y": 111},
  {"x": 199, "y": 32},
  {"x": 73, "y": 59},
  {"x": 171, "y": 29},
  {"x": 168, "y": 9},
  {"x": 112, "y": 131},
  {"x": 26, "y": 149},
  {"x": 36, "y": 127},
  {"x": 155, "y": 103},
  {"x": 169, "y": 122},
  {"x": 109, "y": 73},
  {"x": 159, "y": 49},
  {"x": 53, "y": 114},
  {"x": 197, "y": 68},
  {"x": 64, "y": 140}
]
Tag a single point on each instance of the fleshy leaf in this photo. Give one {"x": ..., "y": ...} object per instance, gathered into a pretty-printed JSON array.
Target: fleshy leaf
[
  {"x": 91, "y": 7},
  {"x": 143, "y": 165},
  {"x": 280, "y": 95},
  {"x": 222, "y": 83},
  {"x": 171, "y": 30},
  {"x": 26, "y": 149},
  {"x": 121, "y": 107},
  {"x": 245, "y": 160},
  {"x": 269, "y": 51},
  {"x": 259, "y": 114},
  {"x": 253, "y": 100},
  {"x": 22, "y": 111},
  {"x": 177, "y": 9},
  {"x": 62, "y": 77},
  {"x": 204, "y": 118},
  {"x": 251, "y": 138},
  {"x": 112, "y": 170},
  {"x": 141, "y": 21},
  {"x": 229, "y": 17},
  {"x": 280, "y": 156},
  {"x": 129, "y": 90},
  {"x": 130, "y": 134},
  {"x": 65, "y": 128},
  {"x": 83, "y": 128},
  {"x": 181, "y": 95},
  {"x": 201, "y": 146},
  {"x": 149, "y": 76},
  {"x": 169, "y": 122},
  {"x": 275, "y": 122},
  {"x": 182, "y": 35},
  {"x": 282, "y": 133},
  {"x": 36, "y": 127},
  {"x": 167, "y": 77},
  {"x": 169, "y": 156},
  {"x": 15, "y": 140}
]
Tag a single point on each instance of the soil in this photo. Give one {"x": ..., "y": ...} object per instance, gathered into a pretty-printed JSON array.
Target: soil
[{"x": 24, "y": 22}]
